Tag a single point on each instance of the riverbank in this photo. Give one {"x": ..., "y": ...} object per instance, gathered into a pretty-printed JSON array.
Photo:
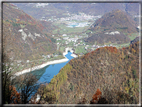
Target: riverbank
[
  {"x": 41, "y": 66},
  {"x": 71, "y": 50},
  {"x": 47, "y": 63}
]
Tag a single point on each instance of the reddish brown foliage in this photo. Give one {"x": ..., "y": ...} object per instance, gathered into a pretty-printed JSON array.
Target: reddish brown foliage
[
  {"x": 49, "y": 40},
  {"x": 41, "y": 26},
  {"x": 123, "y": 48},
  {"x": 23, "y": 17},
  {"x": 97, "y": 49},
  {"x": 92, "y": 52},
  {"x": 15, "y": 96},
  {"x": 112, "y": 49},
  {"x": 28, "y": 16},
  {"x": 86, "y": 55},
  {"x": 96, "y": 96}
]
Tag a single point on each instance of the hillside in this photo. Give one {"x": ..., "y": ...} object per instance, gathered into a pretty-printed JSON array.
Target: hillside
[
  {"x": 115, "y": 72},
  {"x": 113, "y": 27},
  {"x": 115, "y": 20},
  {"x": 135, "y": 40},
  {"x": 39, "y": 10},
  {"x": 24, "y": 37},
  {"x": 108, "y": 37}
]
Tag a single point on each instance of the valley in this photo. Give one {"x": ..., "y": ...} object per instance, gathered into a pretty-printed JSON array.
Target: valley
[
  {"x": 70, "y": 48},
  {"x": 70, "y": 35}
]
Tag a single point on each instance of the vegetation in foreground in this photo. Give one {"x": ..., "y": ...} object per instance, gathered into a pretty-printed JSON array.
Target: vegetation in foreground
[{"x": 115, "y": 72}]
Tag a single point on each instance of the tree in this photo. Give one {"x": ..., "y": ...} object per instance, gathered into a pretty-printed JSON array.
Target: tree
[
  {"x": 96, "y": 97},
  {"x": 26, "y": 85},
  {"x": 13, "y": 92},
  {"x": 15, "y": 96},
  {"x": 7, "y": 88}
]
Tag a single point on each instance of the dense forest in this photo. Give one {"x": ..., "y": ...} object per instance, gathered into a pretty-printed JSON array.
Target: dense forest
[
  {"x": 116, "y": 20},
  {"x": 101, "y": 38},
  {"x": 103, "y": 30},
  {"x": 107, "y": 73}
]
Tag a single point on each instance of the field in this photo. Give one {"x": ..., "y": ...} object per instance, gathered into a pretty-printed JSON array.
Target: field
[
  {"x": 80, "y": 49},
  {"x": 84, "y": 32},
  {"x": 133, "y": 36},
  {"x": 63, "y": 29}
]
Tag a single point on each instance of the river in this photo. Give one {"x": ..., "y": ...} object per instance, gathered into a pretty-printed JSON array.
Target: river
[{"x": 45, "y": 74}]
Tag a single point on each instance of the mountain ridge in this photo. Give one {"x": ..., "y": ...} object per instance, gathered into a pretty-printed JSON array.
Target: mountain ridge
[
  {"x": 116, "y": 20},
  {"x": 114, "y": 71},
  {"x": 75, "y": 8},
  {"x": 24, "y": 37},
  {"x": 113, "y": 27}
]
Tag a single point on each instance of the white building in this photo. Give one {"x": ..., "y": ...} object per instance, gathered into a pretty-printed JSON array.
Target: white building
[
  {"x": 28, "y": 61},
  {"x": 48, "y": 56},
  {"x": 64, "y": 35}
]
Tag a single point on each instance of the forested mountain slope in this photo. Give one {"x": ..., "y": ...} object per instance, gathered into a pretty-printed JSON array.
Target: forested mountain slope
[
  {"x": 115, "y": 72},
  {"x": 116, "y": 20},
  {"x": 24, "y": 37},
  {"x": 112, "y": 28}
]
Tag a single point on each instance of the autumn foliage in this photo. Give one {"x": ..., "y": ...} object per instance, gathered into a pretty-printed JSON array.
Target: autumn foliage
[
  {"x": 112, "y": 49},
  {"x": 49, "y": 40},
  {"x": 15, "y": 96},
  {"x": 123, "y": 48},
  {"x": 96, "y": 97}
]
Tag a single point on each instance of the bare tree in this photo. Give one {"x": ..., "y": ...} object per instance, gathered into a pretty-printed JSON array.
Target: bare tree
[
  {"x": 6, "y": 79},
  {"x": 27, "y": 85}
]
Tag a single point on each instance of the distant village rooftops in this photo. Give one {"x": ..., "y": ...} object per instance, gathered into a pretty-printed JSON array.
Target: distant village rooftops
[{"x": 64, "y": 35}]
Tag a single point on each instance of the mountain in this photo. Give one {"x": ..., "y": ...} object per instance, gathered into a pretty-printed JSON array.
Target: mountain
[
  {"x": 24, "y": 37},
  {"x": 132, "y": 8},
  {"x": 41, "y": 10},
  {"x": 108, "y": 37},
  {"x": 116, "y": 20},
  {"x": 89, "y": 8},
  {"x": 112, "y": 28},
  {"x": 115, "y": 72},
  {"x": 48, "y": 10}
]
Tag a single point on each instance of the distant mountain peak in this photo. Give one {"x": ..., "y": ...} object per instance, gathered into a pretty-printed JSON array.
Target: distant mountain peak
[{"x": 116, "y": 20}]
